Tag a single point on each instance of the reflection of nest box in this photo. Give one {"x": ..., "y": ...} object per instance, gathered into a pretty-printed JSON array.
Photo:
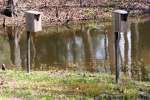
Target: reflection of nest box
[
  {"x": 33, "y": 21},
  {"x": 120, "y": 20}
]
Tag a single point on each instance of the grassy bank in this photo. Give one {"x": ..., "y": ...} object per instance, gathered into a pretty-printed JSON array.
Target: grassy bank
[{"x": 70, "y": 85}]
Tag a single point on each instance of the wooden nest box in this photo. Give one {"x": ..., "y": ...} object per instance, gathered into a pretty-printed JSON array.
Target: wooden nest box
[
  {"x": 119, "y": 20},
  {"x": 33, "y": 21}
]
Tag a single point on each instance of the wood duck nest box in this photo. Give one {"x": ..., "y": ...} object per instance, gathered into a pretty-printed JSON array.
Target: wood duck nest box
[
  {"x": 119, "y": 20},
  {"x": 33, "y": 21}
]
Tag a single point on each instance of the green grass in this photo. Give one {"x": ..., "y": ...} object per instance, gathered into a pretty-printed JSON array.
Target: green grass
[{"x": 50, "y": 85}]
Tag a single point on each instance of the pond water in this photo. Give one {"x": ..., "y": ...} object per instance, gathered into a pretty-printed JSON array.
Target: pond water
[{"x": 83, "y": 47}]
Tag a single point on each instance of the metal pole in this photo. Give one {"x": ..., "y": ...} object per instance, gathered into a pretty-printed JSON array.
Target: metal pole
[
  {"x": 33, "y": 24},
  {"x": 117, "y": 36},
  {"x": 28, "y": 52},
  {"x": 119, "y": 25}
]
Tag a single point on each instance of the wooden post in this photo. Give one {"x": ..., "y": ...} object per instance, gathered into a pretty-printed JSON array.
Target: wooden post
[
  {"x": 81, "y": 3},
  {"x": 119, "y": 25},
  {"x": 56, "y": 11},
  {"x": 28, "y": 51}
]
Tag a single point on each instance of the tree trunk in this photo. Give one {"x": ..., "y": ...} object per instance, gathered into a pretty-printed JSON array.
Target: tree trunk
[{"x": 11, "y": 4}]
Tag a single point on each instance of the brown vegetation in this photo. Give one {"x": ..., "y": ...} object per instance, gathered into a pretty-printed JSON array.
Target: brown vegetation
[{"x": 61, "y": 11}]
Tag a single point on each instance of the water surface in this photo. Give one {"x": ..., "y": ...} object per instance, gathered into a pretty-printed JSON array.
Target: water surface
[{"x": 83, "y": 47}]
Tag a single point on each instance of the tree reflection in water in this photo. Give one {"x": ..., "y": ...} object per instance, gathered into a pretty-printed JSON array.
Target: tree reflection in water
[{"x": 14, "y": 36}]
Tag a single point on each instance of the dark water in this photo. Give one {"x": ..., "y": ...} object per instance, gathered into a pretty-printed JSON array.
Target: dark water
[{"x": 88, "y": 46}]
